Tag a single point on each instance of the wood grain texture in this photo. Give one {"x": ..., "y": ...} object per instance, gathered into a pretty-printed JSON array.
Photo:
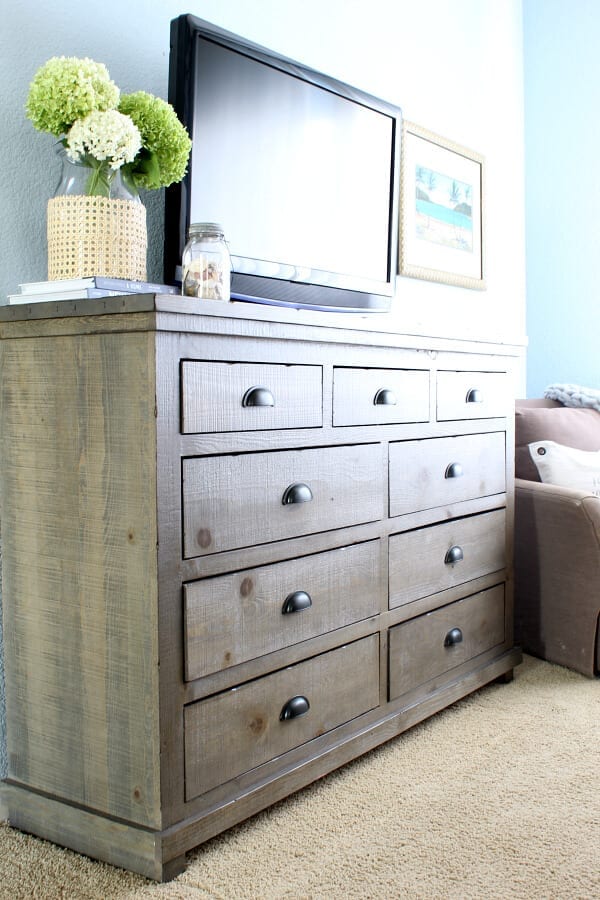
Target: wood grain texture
[
  {"x": 118, "y": 843},
  {"x": 418, "y": 471},
  {"x": 453, "y": 389},
  {"x": 237, "y": 617},
  {"x": 233, "y": 732},
  {"x": 98, "y": 589},
  {"x": 79, "y": 556},
  {"x": 418, "y": 565},
  {"x": 355, "y": 390},
  {"x": 152, "y": 854},
  {"x": 418, "y": 650},
  {"x": 345, "y": 483},
  {"x": 343, "y": 745},
  {"x": 212, "y": 395}
]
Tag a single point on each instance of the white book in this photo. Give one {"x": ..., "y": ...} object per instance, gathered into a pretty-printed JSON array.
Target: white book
[
  {"x": 99, "y": 282},
  {"x": 81, "y": 294}
]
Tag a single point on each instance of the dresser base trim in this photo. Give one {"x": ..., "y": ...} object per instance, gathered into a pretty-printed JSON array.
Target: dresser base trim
[
  {"x": 160, "y": 855},
  {"x": 99, "y": 837}
]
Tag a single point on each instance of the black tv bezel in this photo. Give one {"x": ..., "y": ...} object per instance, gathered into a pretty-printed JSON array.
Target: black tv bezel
[{"x": 254, "y": 287}]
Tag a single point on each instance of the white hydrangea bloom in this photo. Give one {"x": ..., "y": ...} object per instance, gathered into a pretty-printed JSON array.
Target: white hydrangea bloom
[{"x": 107, "y": 136}]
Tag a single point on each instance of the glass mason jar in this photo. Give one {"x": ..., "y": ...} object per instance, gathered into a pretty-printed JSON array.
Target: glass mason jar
[{"x": 206, "y": 263}]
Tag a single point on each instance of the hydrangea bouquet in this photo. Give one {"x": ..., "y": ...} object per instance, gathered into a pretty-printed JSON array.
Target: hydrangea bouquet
[{"x": 76, "y": 101}]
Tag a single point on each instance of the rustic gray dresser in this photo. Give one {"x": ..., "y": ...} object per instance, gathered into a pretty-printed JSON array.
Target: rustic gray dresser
[{"x": 242, "y": 545}]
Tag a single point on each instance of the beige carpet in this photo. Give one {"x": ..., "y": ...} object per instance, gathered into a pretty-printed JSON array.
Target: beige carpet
[{"x": 496, "y": 797}]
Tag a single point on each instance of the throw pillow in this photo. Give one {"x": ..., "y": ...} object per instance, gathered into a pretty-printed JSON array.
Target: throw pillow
[
  {"x": 578, "y": 469},
  {"x": 578, "y": 428}
]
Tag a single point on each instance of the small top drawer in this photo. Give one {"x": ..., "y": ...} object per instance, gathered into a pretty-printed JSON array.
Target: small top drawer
[
  {"x": 380, "y": 396},
  {"x": 222, "y": 396},
  {"x": 472, "y": 395}
]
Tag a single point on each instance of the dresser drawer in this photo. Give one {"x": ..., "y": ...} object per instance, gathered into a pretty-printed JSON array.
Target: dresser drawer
[
  {"x": 220, "y": 396},
  {"x": 242, "y": 500},
  {"x": 472, "y": 395},
  {"x": 380, "y": 396},
  {"x": 238, "y": 730},
  {"x": 233, "y": 618},
  {"x": 428, "y": 560},
  {"x": 435, "y": 472},
  {"x": 430, "y": 646}
]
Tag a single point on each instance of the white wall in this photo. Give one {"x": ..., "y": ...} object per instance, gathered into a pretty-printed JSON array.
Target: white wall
[
  {"x": 454, "y": 66},
  {"x": 562, "y": 148}
]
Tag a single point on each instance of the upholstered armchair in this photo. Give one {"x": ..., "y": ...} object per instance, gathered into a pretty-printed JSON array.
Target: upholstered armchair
[{"x": 557, "y": 543}]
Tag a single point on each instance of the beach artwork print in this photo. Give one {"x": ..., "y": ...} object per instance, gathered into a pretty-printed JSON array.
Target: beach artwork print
[
  {"x": 444, "y": 211},
  {"x": 441, "y": 210}
]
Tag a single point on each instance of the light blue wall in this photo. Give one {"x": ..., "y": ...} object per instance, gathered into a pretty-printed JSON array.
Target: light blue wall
[
  {"x": 454, "y": 66},
  {"x": 561, "y": 42}
]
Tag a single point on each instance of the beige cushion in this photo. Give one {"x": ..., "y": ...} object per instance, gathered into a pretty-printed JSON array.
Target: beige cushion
[
  {"x": 571, "y": 427},
  {"x": 564, "y": 466}
]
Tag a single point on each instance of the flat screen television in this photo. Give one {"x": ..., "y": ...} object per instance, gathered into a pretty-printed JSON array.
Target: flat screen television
[{"x": 300, "y": 170}]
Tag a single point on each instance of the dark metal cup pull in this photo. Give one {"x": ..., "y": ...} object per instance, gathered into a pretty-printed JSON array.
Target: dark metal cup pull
[
  {"x": 296, "y": 602},
  {"x": 474, "y": 396},
  {"x": 384, "y": 397},
  {"x": 294, "y": 708},
  {"x": 454, "y": 470},
  {"x": 453, "y": 555},
  {"x": 453, "y": 637},
  {"x": 258, "y": 396},
  {"x": 297, "y": 493}
]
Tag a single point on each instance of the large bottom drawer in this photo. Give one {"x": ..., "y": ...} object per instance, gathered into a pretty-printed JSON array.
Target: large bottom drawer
[
  {"x": 430, "y": 646},
  {"x": 233, "y": 732}
]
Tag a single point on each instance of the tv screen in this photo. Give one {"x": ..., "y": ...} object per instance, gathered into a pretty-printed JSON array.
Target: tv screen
[{"x": 300, "y": 170}]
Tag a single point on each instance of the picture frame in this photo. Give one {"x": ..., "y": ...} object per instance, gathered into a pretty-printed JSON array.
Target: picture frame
[{"x": 441, "y": 210}]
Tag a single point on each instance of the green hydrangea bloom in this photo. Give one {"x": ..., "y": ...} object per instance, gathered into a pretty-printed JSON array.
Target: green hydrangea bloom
[
  {"x": 165, "y": 142},
  {"x": 67, "y": 88}
]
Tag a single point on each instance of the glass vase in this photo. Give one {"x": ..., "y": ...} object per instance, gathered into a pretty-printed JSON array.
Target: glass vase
[
  {"x": 88, "y": 177},
  {"x": 96, "y": 224}
]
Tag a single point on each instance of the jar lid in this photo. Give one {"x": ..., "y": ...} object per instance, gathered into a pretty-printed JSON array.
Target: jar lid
[{"x": 206, "y": 228}]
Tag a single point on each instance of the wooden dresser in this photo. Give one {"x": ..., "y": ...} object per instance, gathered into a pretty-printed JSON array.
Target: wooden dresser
[{"x": 241, "y": 545}]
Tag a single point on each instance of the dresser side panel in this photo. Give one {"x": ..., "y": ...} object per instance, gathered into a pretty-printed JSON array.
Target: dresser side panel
[{"x": 78, "y": 484}]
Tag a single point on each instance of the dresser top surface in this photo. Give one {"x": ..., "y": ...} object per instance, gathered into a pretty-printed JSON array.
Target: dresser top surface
[{"x": 166, "y": 312}]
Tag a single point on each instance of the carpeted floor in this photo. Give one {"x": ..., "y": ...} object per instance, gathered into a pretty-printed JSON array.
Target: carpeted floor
[{"x": 496, "y": 797}]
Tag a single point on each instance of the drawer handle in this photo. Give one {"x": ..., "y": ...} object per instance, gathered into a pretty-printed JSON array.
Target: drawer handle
[
  {"x": 294, "y": 708},
  {"x": 454, "y": 470},
  {"x": 474, "y": 396},
  {"x": 453, "y": 637},
  {"x": 384, "y": 397},
  {"x": 258, "y": 396},
  {"x": 296, "y": 602},
  {"x": 297, "y": 493},
  {"x": 453, "y": 555}
]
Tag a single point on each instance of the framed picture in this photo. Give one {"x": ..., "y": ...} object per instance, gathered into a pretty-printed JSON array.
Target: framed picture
[{"x": 441, "y": 210}]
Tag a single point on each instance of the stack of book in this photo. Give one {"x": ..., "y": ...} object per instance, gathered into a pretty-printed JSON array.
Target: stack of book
[{"x": 80, "y": 288}]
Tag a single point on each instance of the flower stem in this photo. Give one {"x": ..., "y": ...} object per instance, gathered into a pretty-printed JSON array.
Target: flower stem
[{"x": 100, "y": 178}]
